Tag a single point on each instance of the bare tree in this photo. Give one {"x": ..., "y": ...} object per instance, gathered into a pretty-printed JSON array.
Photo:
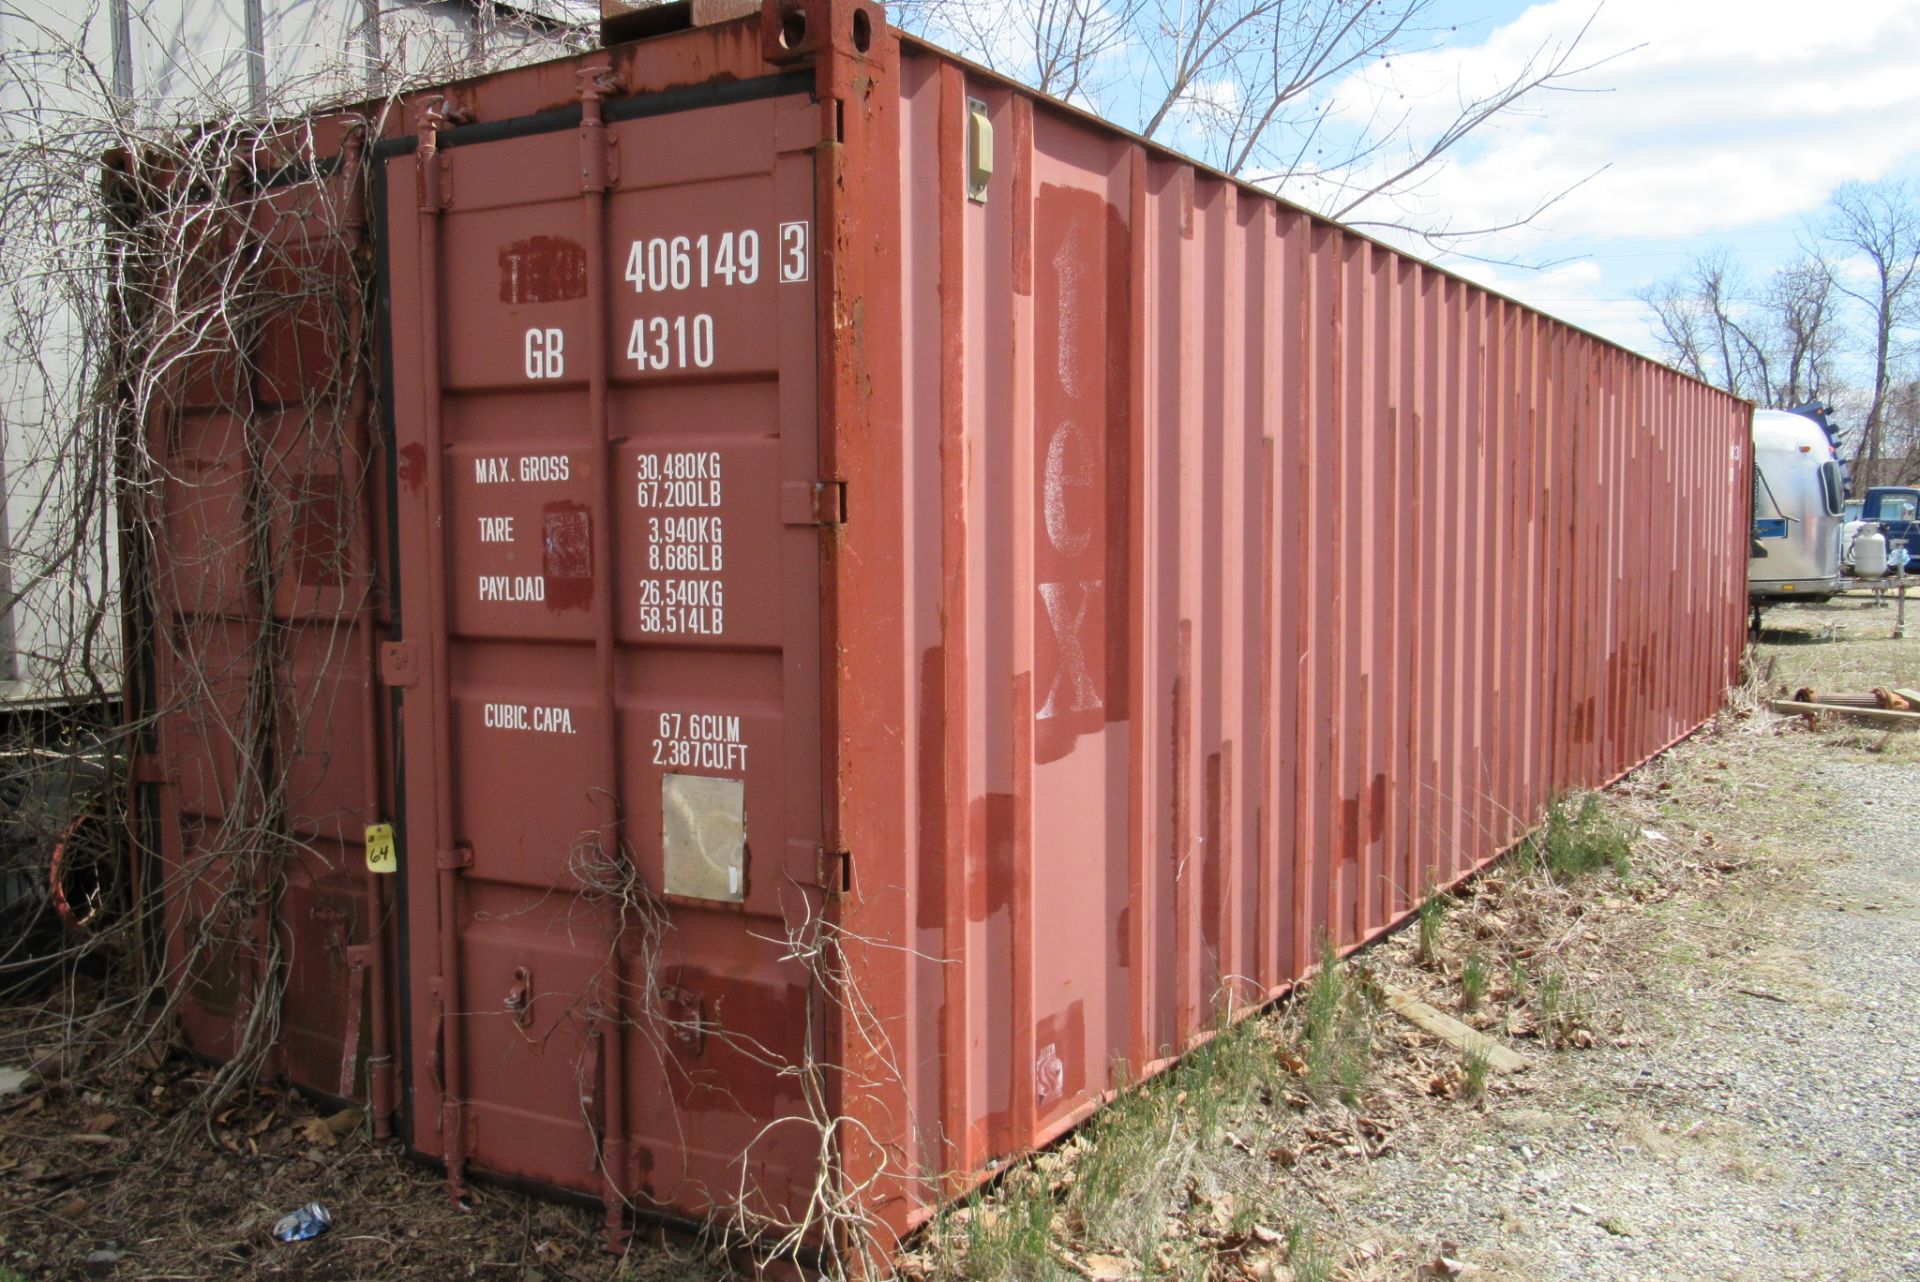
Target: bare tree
[
  {"x": 1248, "y": 86},
  {"x": 1775, "y": 345},
  {"x": 1878, "y": 224},
  {"x": 1698, "y": 323},
  {"x": 1900, "y": 433},
  {"x": 1803, "y": 331}
]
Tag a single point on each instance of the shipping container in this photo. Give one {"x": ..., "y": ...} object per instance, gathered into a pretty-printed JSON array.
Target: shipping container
[{"x": 864, "y": 609}]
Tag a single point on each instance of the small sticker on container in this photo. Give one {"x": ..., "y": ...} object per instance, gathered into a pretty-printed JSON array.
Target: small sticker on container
[
  {"x": 380, "y": 851},
  {"x": 1049, "y": 1075}
]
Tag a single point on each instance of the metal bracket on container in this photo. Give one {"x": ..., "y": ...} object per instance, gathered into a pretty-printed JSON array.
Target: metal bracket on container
[
  {"x": 979, "y": 151},
  {"x": 399, "y": 664},
  {"x": 520, "y": 996},
  {"x": 436, "y": 183},
  {"x": 433, "y": 169},
  {"x": 813, "y": 503},
  {"x": 599, "y": 146},
  {"x": 809, "y": 863},
  {"x": 796, "y": 30},
  {"x": 461, "y": 856},
  {"x": 359, "y": 963}
]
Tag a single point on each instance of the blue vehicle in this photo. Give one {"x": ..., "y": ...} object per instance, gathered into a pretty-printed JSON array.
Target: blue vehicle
[{"x": 1897, "y": 509}]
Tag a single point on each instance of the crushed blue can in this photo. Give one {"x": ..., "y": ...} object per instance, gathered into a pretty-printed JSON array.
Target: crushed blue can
[{"x": 310, "y": 1221}]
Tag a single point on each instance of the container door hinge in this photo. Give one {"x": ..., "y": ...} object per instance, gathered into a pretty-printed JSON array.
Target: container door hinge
[
  {"x": 813, "y": 503},
  {"x": 435, "y": 183},
  {"x": 599, "y": 158},
  {"x": 399, "y": 664},
  {"x": 599, "y": 148},
  {"x": 461, "y": 856}
]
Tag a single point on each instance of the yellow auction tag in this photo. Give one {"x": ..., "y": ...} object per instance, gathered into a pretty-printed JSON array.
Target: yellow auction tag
[{"x": 380, "y": 855}]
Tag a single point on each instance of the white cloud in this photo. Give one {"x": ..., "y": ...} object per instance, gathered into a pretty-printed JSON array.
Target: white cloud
[{"x": 1729, "y": 114}]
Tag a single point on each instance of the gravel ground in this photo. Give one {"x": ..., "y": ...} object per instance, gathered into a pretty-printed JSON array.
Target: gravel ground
[{"x": 1772, "y": 1133}]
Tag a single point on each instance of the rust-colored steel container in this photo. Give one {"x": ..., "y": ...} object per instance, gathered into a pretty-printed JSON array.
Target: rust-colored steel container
[{"x": 879, "y": 609}]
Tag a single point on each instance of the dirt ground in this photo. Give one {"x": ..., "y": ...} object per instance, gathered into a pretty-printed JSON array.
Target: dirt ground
[
  {"x": 1723, "y": 1081},
  {"x": 1758, "y": 1115},
  {"x": 122, "y": 1179}
]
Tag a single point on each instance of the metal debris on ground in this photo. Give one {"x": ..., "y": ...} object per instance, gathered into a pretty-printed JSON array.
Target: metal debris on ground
[
  {"x": 310, "y": 1221},
  {"x": 1882, "y": 705}
]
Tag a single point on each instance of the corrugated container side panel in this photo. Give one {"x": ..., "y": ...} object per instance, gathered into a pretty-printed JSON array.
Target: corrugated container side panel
[{"x": 1335, "y": 574}]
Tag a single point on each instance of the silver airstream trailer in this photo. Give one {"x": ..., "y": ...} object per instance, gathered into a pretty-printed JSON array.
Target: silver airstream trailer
[{"x": 1799, "y": 501}]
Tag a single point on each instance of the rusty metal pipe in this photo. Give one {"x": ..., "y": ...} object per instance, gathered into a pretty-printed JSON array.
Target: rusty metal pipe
[
  {"x": 447, "y": 861},
  {"x": 596, "y": 180},
  {"x": 380, "y": 1096},
  {"x": 380, "y": 1085}
]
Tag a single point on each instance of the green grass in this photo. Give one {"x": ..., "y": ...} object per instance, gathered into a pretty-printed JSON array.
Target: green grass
[
  {"x": 1339, "y": 1032},
  {"x": 1473, "y": 982},
  {"x": 1238, "y": 1070},
  {"x": 1582, "y": 837},
  {"x": 1559, "y": 1008},
  {"x": 1519, "y": 978},
  {"x": 1114, "y": 1191},
  {"x": 1432, "y": 912},
  {"x": 1308, "y": 1256},
  {"x": 1479, "y": 1064},
  {"x": 1012, "y": 1239}
]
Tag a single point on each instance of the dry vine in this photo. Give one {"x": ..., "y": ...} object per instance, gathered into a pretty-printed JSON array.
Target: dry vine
[
  {"x": 180, "y": 249},
  {"x": 157, "y": 438}
]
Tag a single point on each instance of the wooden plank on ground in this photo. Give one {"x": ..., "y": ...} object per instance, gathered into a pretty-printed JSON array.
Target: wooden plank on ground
[{"x": 1449, "y": 1029}]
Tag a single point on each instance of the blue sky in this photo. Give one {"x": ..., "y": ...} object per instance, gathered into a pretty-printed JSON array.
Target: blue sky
[{"x": 1726, "y": 127}]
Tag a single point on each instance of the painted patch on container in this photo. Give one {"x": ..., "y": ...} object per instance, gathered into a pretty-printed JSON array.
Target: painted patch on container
[
  {"x": 413, "y": 466},
  {"x": 1079, "y": 465},
  {"x": 567, "y": 555},
  {"x": 542, "y": 269}
]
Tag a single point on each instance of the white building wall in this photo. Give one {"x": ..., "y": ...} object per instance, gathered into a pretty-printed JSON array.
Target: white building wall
[{"x": 163, "y": 63}]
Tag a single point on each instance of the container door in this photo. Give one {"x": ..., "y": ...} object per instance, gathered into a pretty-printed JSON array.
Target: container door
[{"x": 609, "y": 535}]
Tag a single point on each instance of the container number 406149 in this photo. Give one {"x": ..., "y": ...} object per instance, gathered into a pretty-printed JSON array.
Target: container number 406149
[{"x": 664, "y": 264}]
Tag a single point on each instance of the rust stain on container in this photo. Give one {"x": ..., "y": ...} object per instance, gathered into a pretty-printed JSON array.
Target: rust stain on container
[
  {"x": 1075, "y": 603},
  {"x": 542, "y": 269}
]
